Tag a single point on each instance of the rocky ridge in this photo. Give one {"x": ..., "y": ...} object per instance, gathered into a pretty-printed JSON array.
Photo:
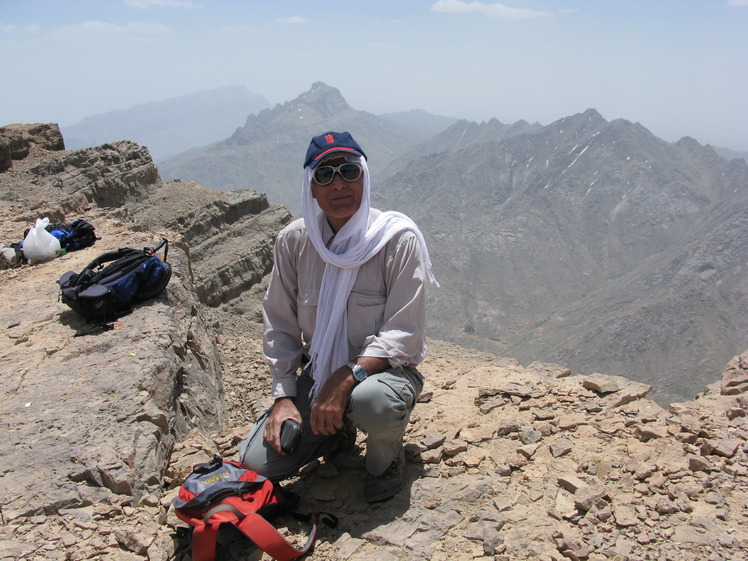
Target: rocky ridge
[{"x": 505, "y": 461}]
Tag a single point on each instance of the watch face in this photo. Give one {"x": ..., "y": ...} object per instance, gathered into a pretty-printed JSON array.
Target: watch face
[{"x": 358, "y": 372}]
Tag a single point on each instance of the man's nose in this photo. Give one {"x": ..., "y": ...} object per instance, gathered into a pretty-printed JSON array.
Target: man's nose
[{"x": 337, "y": 182}]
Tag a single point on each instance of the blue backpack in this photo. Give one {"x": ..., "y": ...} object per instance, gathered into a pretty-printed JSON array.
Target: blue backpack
[
  {"x": 103, "y": 293},
  {"x": 76, "y": 235}
]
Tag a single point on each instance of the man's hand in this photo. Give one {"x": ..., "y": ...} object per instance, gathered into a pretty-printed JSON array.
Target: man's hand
[
  {"x": 284, "y": 409},
  {"x": 331, "y": 403}
]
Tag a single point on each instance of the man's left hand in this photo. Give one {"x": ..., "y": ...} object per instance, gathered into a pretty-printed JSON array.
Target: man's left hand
[{"x": 331, "y": 403}]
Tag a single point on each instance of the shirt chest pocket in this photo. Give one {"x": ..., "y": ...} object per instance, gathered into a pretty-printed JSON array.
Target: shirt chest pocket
[
  {"x": 307, "y": 301},
  {"x": 308, "y": 298},
  {"x": 365, "y": 316}
]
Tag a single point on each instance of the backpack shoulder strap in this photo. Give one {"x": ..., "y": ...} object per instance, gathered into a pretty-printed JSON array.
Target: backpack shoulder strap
[
  {"x": 204, "y": 538},
  {"x": 165, "y": 244},
  {"x": 112, "y": 256},
  {"x": 264, "y": 534}
]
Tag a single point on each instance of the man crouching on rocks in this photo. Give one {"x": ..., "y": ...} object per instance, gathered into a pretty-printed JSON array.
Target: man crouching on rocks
[{"x": 346, "y": 306}]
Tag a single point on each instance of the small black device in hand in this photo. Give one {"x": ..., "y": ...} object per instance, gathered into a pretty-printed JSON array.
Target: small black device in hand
[{"x": 290, "y": 435}]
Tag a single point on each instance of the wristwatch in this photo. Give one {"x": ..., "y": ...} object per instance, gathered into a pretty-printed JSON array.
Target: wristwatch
[{"x": 358, "y": 371}]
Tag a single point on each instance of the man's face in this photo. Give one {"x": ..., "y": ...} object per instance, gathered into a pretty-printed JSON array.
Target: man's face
[{"x": 340, "y": 199}]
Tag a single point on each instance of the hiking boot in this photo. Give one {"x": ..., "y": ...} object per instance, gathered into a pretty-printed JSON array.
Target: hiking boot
[
  {"x": 341, "y": 444},
  {"x": 378, "y": 488},
  {"x": 346, "y": 438}
]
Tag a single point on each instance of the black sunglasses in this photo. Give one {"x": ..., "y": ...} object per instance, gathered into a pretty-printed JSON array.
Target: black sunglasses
[{"x": 324, "y": 175}]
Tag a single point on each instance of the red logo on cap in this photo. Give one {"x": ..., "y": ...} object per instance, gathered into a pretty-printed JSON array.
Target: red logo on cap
[{"x": 329, "y": 139}]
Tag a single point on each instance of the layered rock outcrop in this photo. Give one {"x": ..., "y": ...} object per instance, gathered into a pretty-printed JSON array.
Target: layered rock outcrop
[
  {"x": 95, "y": 418},
  {"x": 16, "y": 141},
  {"x": 230, "y": 235},
  {"x": 505, "y": 462}
]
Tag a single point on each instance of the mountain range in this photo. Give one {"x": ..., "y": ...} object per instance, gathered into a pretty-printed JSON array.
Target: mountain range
[
  {"x": 266, "y": 154},
  {"x": 171, "y": 126},
  {"x": 587, "y": 242}
]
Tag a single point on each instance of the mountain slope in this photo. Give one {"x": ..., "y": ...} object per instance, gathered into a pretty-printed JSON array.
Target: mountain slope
[
  {"x": 670, "y": 320},
  {"x": 417, "y": 119},
  {"x": 565, "y": 243}
]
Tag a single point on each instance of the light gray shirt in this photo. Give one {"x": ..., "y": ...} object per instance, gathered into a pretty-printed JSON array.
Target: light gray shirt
[{"x": 386, "y": 308}]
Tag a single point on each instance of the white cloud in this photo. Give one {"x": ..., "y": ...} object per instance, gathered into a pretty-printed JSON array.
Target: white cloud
[
  {"x": 737, "y": 2},
  {"x": 145, "y": 4},
  {"x": 494, "y": 10},
  {"x": 31, "y": 28},
  {"x": 292, "y": 19}
]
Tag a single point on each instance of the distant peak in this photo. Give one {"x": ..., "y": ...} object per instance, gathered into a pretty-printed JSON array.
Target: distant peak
[
  {"x": 324, "y": 99},
  {"x": 588, "y": 121},
  {"x": 688, "y": 142},
  {"x": 322, "y": 87},
  {"x": 592, "y": 114}
]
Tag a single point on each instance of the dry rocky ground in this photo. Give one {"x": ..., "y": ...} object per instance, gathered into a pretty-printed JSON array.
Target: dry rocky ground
[{"x": 505, "y": 462}]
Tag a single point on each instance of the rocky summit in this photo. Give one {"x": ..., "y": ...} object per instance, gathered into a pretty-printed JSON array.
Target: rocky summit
[{"x": 505, "y": 461}]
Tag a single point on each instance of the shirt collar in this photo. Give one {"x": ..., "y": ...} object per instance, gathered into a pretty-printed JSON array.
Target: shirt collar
[{"x": 327, "y": 234}]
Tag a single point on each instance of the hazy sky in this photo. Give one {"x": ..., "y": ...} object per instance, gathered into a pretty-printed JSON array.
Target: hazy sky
[{"x": 678, "y": 67}]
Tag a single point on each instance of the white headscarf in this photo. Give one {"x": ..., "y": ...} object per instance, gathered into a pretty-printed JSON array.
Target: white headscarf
[{"x": 354, "y": 244}]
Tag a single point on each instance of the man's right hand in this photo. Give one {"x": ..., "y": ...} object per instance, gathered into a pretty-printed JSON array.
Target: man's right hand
[{"x": 284, "y": 409}]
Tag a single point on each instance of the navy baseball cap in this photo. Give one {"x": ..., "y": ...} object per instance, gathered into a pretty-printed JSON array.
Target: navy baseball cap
[{"x": 330, "y": 142}]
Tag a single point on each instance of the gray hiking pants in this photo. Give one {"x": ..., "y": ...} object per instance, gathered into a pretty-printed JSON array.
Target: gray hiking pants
[{"x": 380, "y": 406}]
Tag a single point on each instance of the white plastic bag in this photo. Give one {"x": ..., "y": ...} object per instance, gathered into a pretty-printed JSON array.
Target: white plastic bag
[{"x": 40, "y": 244}]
